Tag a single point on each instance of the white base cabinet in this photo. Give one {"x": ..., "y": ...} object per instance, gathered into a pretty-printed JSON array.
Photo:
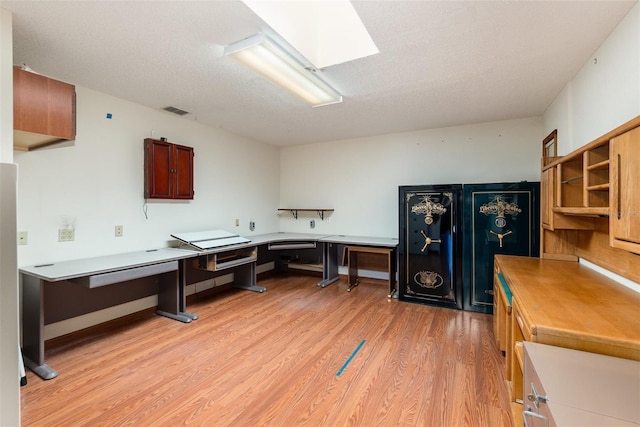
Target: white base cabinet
[{"x": 565, "y": 387}]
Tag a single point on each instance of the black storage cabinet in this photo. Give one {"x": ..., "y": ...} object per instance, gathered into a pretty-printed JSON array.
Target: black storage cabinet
[
  {"x": 430, "y": 245},
  {"x": 499, "y": 218}
]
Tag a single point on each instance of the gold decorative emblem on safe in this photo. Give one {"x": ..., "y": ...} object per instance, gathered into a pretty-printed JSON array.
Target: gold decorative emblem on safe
[
  {"x": 499, "y": 207},
  {"x": 428, "y": 207},
  {"x": 428, "y": 240},
  {"x": 428, "y": 279}
]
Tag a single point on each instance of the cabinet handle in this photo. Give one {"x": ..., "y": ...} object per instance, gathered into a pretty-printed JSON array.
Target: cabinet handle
[
  {"x": 520, "y": 323},
  {"x": 619, "y": 207},
  {"x": 526, "y": 414},
  {"x": 535, "y": 397}
]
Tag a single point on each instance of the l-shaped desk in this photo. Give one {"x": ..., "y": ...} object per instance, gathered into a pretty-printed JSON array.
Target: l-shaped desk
[{"x": 169, "y": 265}]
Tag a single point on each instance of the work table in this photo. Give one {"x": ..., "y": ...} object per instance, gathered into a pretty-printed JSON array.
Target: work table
[
  {"x": 565, "y": 299},
  {"x": 168, "y": 266},
  {"x": 65, "y": 270},
  {"x": 566, "y": 304}
]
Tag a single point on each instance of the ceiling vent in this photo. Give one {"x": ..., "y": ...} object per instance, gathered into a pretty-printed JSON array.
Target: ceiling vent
[{"x": 175, "y": 110}]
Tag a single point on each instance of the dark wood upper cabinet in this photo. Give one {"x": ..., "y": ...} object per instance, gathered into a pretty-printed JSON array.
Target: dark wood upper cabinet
[
  {"x": 44, "y": 110},
  {"x": 168, "y": 170}
]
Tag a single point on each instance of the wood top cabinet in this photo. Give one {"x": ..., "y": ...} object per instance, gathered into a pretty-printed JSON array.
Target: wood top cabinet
[
  {"x": 44, "y": 110},
  {"x": 566, "y": 304},
  {"x": 624, "y": 221},
  {"x": 168, "y": 170}
]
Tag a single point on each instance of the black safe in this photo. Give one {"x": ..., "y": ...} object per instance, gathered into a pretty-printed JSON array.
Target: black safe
[{"x": 449, "y": 234}]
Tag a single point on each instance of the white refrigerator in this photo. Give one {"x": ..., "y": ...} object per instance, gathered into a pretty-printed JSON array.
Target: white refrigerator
[{"x": 9, "y": 327}]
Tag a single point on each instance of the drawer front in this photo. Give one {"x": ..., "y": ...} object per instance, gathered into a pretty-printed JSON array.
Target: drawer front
[
  {"x": 520, "y": 325},
  {"x": 104, "y": 279}
]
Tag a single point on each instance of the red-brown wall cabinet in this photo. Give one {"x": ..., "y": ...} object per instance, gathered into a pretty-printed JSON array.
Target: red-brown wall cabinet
[
  {"x": 168, "y": 170},
  {"x": 44, "y": 110}
]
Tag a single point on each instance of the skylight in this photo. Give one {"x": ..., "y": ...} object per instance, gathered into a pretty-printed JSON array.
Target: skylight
[{"x": 326, "y": 32}]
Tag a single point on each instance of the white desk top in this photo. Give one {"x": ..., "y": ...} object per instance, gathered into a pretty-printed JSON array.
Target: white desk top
[
  {"x": 329, "y": 238},
  {"x": 65, "y": 270},
  {"x": 285, "y": 237},
  {"x": 361, "y": 240}
]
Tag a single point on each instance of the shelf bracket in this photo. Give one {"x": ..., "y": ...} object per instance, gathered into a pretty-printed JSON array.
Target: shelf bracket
[
  {"x": 294, "y": 212},
  {"x": 321, "y": 214}
]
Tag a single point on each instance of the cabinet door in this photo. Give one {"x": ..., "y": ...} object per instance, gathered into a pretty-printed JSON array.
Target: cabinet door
[
  {"x": 499, "y": 218},
  {"x": 29, "y": 102},
  {"x": 157, "y": 169},
  {"x": 43, "y": 110},
  {"x": 430, "y": 247},
  {"x": 624, "y": 220},
  {"x": 546, "y": 198},
  {"x": 182, "y": 171},
  {"x": 61, "y": 105}
]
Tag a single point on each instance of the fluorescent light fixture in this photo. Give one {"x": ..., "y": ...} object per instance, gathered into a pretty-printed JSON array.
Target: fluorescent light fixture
[{"x": 264, "y": 56}]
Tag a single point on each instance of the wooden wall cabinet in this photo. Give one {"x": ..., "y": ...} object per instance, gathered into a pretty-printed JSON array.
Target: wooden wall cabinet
[
  {"x": 168, "y": 170},
  {"x": 582, "y": 182},
  {"x": 598, "y": 180},
  {"x": 624, "y": 220},
  {"x": 552, "y": 216},
  {"x": 44, "y": 110}
]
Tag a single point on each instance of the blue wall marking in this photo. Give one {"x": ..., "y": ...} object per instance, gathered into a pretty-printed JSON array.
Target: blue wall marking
[{"x": 350, "y": 357}]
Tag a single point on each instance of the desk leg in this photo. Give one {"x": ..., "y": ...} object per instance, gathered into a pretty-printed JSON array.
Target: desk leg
[
  {"x": 182, "y": 289},
  {"x": 169, "y": 297},
  {"x": 393, "y": 268},
  {"x": 353, "y": 270},
  {"x": 329, "y": 264},
  {"x": 244, "y": 277},
  {"x": 33, "y": 327}
]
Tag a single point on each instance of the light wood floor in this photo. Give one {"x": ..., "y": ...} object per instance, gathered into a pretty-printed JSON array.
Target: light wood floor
[{"x": 272, "y": 359}]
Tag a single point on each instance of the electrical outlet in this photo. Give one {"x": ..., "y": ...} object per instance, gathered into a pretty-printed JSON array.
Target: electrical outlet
[
  {"x": 23, "y": 237},
  {"x": 66, "y": 235},
  {"x": 118, "y": 231},
  {"x": 237, "y": 222},
  {"x": 252, "y": 225},
  {"x": 312, "y": 223}
]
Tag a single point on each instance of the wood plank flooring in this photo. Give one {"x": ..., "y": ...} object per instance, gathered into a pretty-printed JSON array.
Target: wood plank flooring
[{"x": 272, "y": 359}]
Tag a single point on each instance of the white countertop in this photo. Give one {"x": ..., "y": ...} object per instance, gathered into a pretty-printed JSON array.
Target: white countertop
[
  {"x": 361, "y": 240},
  {"x": 65, "y": 270}
]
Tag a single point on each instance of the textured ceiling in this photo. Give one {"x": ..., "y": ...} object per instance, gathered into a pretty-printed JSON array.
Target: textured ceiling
[{"x": 441, "y": 63}]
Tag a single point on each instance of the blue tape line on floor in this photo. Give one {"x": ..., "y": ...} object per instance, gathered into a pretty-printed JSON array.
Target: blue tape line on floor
[{"x": 350, "y": 357}]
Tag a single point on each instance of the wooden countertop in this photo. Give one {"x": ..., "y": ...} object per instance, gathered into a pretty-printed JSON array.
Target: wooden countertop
[{"x": 567, "y": 304}]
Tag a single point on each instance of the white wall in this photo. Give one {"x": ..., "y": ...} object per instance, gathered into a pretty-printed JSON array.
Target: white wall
[
  {"x": 9, "y": 338},
  {"x": 359, "y": 178},
  {"x": 6, "y": 87},
  {"x": 97, "y": 184},
  {"x": 604, "y": 94}
]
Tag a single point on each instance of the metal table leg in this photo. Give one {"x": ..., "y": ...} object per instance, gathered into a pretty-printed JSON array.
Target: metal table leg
[{"x": 329, "y": 264}]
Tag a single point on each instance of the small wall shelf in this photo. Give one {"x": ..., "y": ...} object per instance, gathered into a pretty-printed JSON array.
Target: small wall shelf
[{"x": 294, "y": 211}]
